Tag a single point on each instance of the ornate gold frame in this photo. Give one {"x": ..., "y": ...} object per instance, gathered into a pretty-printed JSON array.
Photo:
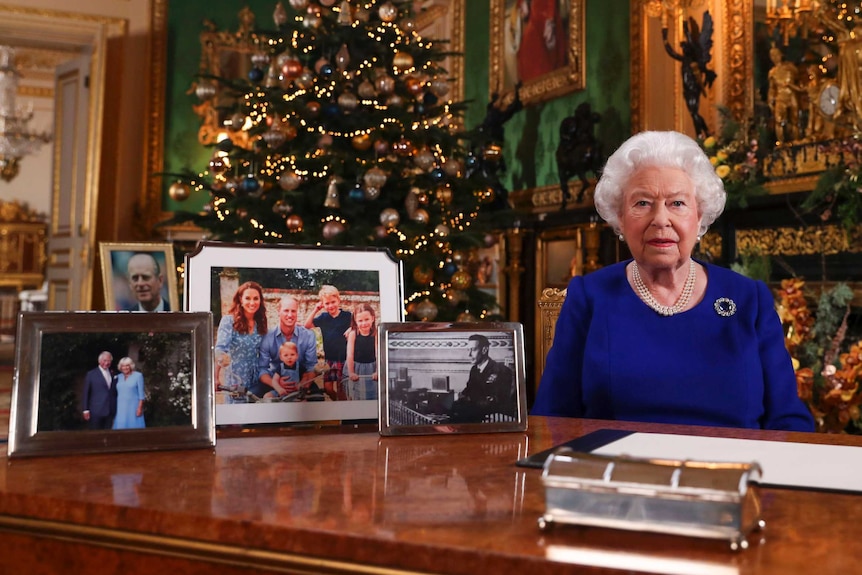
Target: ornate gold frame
[{"x": 562, "y": 81}]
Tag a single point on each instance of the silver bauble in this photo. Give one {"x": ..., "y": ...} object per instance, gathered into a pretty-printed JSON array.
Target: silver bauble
[
  {"x": 289, "y": 180},
  {"x": 389, "y": 217}
]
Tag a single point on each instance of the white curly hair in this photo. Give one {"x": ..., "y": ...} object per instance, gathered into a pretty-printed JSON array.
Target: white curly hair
[{"x": 659, "y": 149}]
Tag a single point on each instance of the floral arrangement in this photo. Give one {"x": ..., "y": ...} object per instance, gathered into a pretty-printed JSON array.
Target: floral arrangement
[
  {"x": 735, "y": 158},
  {"x": 827, "y": 379}
]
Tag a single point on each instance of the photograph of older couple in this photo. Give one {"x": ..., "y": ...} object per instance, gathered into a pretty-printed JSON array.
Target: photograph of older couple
[
  {"x": 114, "y": 381},
  {"x": 295, "y": 335}
]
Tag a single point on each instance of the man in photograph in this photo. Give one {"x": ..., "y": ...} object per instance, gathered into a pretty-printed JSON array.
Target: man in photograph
[
  {"x": 286, "y": 330},
  {"x": 490, "y": 387},
  {"x": 99, "y": 404},
  {"x": 145, "y": 282}
]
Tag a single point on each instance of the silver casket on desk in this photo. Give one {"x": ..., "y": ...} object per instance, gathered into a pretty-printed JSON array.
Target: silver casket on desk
[{"x": 696, "y": 498}]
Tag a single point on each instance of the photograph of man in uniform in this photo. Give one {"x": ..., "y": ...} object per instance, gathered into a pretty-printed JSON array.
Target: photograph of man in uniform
[{"x": 490, "y": 386}]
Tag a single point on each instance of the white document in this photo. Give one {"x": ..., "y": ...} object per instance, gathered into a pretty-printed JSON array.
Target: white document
[{"x": 803, "y": 465}]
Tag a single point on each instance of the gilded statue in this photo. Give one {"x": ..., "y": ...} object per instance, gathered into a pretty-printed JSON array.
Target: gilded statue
[{"x": 783, "y": 97}]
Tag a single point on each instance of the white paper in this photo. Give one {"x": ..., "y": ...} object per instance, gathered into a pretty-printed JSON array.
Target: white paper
[{"x": 803, "y": 465}]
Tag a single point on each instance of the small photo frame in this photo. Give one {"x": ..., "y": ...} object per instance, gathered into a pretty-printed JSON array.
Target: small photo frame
[
  {"x": 452, "y": 378},
  {"x": 259, "y": 293},
  {"x": 139, "y": 276},
  {"x": 92, "y": 382}
]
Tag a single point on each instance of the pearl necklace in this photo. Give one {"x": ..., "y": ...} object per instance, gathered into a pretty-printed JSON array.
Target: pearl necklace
[{"x": 647, "y": 297}]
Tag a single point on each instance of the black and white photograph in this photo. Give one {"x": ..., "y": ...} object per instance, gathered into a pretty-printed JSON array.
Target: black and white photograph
[
  {"x": 296, "y": 329},
  {"x": 103, "y": 380},
  {"x": 449, "y": 378}
]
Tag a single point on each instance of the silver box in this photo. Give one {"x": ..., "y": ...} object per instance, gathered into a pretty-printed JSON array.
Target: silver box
[{"x": 695, "y": 498}]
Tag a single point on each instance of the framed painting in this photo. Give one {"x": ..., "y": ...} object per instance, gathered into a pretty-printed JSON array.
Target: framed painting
[
  {"x": 296, "y": 337},
  {"x": 538, "y": 44},
  {"x": 452, "y": 378},
  {"x": 91, "y": 382},
  {"x": 139, "y": 276}
]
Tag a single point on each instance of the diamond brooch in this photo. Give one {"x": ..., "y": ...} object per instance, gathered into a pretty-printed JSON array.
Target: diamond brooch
[{"x": 725, "y": 307}]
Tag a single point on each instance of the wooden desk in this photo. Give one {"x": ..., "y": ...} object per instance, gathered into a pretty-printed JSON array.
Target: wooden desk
[{"x": 348, "y": 501}]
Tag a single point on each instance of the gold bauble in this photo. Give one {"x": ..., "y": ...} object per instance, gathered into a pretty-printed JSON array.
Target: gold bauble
[
  {"x": 423, "y": 275},
  {"x": 294, "y": 223},
  {"x": 421, "y": 216},
  {"x": 179, "y": 191},
  {"x": 361, "y": 142},
  {"x": 425, "y": 310},
  {"x": 387, "y": 12},
  {"x": 402, "y": 61},
  {"x": 492, "y": 153},
  {"x": 461, "y": 280},
  {"x": 444, "y": 195}
]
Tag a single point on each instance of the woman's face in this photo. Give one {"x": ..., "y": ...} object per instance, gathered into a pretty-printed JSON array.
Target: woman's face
[
  {"x": 250, "y": 301},
  {"x": 659, "y": 219},
  {"x": 364, "y": 321},
  {"x": 125, "y": 368}
]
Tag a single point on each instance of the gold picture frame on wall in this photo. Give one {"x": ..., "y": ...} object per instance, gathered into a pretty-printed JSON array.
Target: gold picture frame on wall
[{"x": 547, "y": 65}]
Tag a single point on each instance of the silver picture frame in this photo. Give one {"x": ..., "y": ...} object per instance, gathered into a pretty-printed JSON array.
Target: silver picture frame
[
  {"x": 442, "y": 377},
  {"x": 55, "y": 351}
]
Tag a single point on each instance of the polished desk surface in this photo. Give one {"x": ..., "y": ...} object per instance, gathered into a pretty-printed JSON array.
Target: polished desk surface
[{"x": 351, "y": 501}]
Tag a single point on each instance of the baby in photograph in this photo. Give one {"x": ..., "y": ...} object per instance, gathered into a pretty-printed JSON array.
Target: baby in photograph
[{"x": 285, "y": 380}]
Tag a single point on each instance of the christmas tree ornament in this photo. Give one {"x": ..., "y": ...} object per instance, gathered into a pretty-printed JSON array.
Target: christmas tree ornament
[
  {"x": 465, "y": 317},
  {"x": 342, "y": 58},
  {"x": 289, "y": 180},
  {"x": 217, "y": 165},
  {"x": 387, "y": 12},
  {"x": 179, "y": 191},
  {"x": 362, "y": 14},
  {"x": 403, "y": 147},
  {"x": 485, "y": 195},
  {"x": 423, "y": 274},
  {"x": 327, "y": 3},
  {"x": 385, "y": 84},
  {"x": 274, "y": 137},
  {"x": 380, "y": 232},
  {"x": 348, "y": 101},
  {"x": 235, "y": 122},
  {"x": 458, "y": 257},
  {"x": 255, "y": 75},
  {"x": 429, "y": 99},
  {"x": 279, "y": 15},
  {"x": 424, "y": 159},
  {"x": 319, "y": 64},
  {"x": 491, "y": 240},
  {"x": 225, "y": 145},
  {"x": 411, "y": 202},
  {"x": 345, "y": 16},
  {"x": 299, "y": 4},
  {"x": 251, "y": 185},
  {"x": 455, "y": 296},
  {"x": 218, "y": 183},
  {"x": 402, "y": 61},
  {"x": 414, "y": 85},
  {"x": 374, "y": 178},
  {"x": 408, "y": 24},
  {"x": 492, "y": 152},
  {"x": 437, "y": 174},
  {"x": 205, "y": 90},
  {"x": 260, "y": 60},
  {"x": 293, "y": 223},
  {"x": 242, "y": 213},
  {"x": 331, "y": 201},
  {"x": 426, "y": 310},
  {"x": 311, "y": 21},
  {"x": 389, "y": 217},
  {"x": 291, "y": 68},
  {"x": 366, "y": 90},
  {"x": 282, "y": 207},
  {"x": 332, "y": 229},
  {"x": 313, "y": 107},
  {"x": 273, "y": 76},
  {"x": 452, "y": 168},
  {"x": 439, "y": 86},
  {"x": 372, "y": 193},
  {"x": 361, "y": 142},
  {"x": 461, "y": 280},
  {"x": 444, "y": 194},
  {"x": 421, "y": 216},
  {"x": 381, "y": 147},
  {"x": 356, "y": 194},
  {"x": 441, "y": 230},
  {"x": 324, "y": 141},
  {"x": 305, "y": 80},
  {"x": 449, "y": 268},
  {"x": 327, "y": 70},
  {"x": 231, "y": 186},
  {"x": 395, "y": 101}
]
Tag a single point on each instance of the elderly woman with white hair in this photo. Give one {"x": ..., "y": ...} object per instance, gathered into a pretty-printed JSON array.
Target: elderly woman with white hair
[
  {"x": 663, "y": 337},
  {"x": 130, "y": 396}
]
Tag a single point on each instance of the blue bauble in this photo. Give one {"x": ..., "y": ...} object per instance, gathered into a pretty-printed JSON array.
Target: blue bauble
[
  {"x": 250, "y": 184},
  {"x": 419, "y": 108},
  {"x": 327, "y": 70},
  {"x": 449, "y": 268},
  {"x": 225, "y": 145},
  {"x": 429, "y": 99},
  {"x": 437, "y": 174},
  {"x": 331, "y": 109},
  {"x": 255, "y": 75},
  {"x": 356, "y": 194},
  {"x": 471, "y": 161}
]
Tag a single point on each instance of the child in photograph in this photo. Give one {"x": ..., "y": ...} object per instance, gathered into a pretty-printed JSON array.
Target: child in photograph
[
  {"x": 285, "y": 380},
  {"x": 334, "y": 324},
  {"x": 361, "y": 364}
]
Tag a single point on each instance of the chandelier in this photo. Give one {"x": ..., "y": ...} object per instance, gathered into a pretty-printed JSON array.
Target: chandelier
[
  {"x": 789, "y": 17},
  {"x": 16, "y": 141}
]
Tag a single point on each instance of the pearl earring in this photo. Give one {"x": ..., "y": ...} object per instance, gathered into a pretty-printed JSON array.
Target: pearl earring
[
  {"x": 698, "y": 238},
  {"x": 621, "y": 238}
]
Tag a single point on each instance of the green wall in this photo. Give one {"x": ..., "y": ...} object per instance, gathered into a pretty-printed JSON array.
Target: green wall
[{"x": 531, "y": 135}]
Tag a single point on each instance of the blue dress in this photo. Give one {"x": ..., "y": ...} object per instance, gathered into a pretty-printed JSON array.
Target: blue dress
[
  {"x": 615, "y": 358},
  {"x": 130, "y": 392},
  {"x": 243, "y": 349}
]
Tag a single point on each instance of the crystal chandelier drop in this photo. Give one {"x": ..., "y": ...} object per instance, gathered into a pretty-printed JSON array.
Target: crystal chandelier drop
[{"x": 16, "y": 141}]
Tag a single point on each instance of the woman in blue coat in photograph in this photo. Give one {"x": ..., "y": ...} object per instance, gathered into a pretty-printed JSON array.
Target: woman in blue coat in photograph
[{"x": 130, "y": 396}]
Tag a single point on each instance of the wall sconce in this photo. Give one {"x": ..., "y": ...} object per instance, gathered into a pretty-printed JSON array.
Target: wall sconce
[{"x": 789, "y": 17}]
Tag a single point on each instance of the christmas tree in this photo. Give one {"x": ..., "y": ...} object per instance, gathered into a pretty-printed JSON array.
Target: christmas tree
[{"x": 342, "y": 134}]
